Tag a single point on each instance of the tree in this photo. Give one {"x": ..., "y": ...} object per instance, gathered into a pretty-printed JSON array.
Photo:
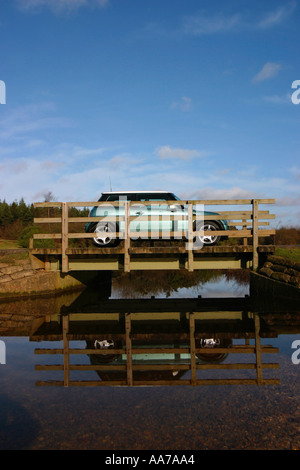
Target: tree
[{"x": 49, "y": 197}]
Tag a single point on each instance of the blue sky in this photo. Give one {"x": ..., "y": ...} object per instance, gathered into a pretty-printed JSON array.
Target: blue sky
[{"x": 191, "y": 96}]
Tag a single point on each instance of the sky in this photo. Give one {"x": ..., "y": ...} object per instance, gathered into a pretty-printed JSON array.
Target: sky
[{"x": 191, "y": 96}]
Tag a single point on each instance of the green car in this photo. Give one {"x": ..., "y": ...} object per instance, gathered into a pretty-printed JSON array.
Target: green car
[{"x": 150, "y": 220}]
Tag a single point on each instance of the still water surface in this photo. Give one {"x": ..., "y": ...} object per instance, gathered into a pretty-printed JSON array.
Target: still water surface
[{"x": 162, "y": 417}]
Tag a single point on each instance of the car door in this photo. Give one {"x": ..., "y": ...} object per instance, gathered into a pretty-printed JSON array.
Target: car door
[
  {"x": 158, "y": 214},
  {"x": 118, "y": 209}
]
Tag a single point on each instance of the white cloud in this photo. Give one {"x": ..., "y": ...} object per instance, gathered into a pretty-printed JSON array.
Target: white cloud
[
  {"x": 278, "y": 99},
  {"x": 269, "y": 70},
  {"x": 288, "y": 201},
  {"x": 59, "y": 5},
  {"x": 201, "y": 24},
  {"x": 50, "y": 165},
  {"x": 295, "y": 171},
  {"x": 223, "y": 172},
  {"x": 212, "y": 193},
  {"x": 87, "y": 152},
  {"x": 123, "y": 160},
  {"x": 184, "y": 104},
  {"x": 178, "y": 153},
  {"x": 205, "y": 24},
  {"x": 24, "y": 120},
  {"x": 277, "y": 16}
]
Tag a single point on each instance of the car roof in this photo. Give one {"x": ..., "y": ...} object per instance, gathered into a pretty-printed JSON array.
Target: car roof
[{"x": 135, "y": 192}]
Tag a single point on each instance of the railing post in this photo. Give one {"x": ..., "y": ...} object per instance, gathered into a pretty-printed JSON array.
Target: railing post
[
  {"x": 128, "y": 349},
  {"x": 255, "y": 233},
  {"x": 259, "y": 371},
  {"x": 30, "y": 250},
  {"x": 192, "y": 348},
  {"x": 127, "y": 237},
  {"x": 245, "y": 239},
  {"x": 65, "y": 238},
  {"x": 190, "y": 238},
  {"x": 65, "y": 322}
]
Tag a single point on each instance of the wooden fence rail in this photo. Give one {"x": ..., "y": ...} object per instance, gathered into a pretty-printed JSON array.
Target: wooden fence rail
[{"x": 244, "y": 224}]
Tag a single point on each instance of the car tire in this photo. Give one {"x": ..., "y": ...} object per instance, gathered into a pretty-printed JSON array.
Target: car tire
[
  {"x": 208, "y": 240},
  {"x": 212, "y": 343},
  {"x": 107, "y": 241},
  {"x": 103, "y": 344}
]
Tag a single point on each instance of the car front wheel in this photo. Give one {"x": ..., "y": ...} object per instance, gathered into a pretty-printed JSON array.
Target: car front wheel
[{"x": 104, "y": 239}]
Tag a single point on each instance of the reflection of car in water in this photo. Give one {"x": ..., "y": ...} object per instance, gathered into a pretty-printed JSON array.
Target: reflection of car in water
[
  {"x": 104, "y": 344},
  {"x": 154, "y": 359},
  {"x": 212, "y": 343}
]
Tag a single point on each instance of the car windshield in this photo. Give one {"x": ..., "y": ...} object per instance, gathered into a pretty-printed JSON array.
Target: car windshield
[
  {"x": 117, "y": 197},
  {"x": 175, "y": 197},
  {"x": 152, "y": 197}
]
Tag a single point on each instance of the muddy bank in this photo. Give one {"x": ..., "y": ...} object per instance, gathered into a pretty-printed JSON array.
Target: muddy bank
[
  {"x": 282, "y": 269},
  {"x": 278, "y": 278}
]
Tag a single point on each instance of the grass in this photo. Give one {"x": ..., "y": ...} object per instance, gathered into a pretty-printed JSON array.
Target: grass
[
  {"x": 289, "y": 253},
  {"x": 11, "y": 257},
  {"x": 9, "y": 244}
]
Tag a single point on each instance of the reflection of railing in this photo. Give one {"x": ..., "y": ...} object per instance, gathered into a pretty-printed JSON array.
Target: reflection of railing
[
  {"x": 130, "y": 368},
  {"x": 246, "y": 226}
]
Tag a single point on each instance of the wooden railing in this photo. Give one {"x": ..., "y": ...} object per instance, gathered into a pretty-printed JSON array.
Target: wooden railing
[{"x": 244, "y": 224}]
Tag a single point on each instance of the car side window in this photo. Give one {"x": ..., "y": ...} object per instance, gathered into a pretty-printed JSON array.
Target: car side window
[{"x": 152, "y": 197}]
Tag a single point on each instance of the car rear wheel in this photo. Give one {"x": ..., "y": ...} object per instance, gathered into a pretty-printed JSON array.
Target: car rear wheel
[
  {"x": 104, "y": 239},
  {"x": 103, "y": 344}
]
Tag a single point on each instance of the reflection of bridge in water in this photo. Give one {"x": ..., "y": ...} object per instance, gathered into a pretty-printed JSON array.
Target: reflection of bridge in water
[{"x": 162, "y": 342}]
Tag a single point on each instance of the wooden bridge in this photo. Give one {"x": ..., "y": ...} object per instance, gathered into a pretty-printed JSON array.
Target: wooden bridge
[{"x": 247, "y": 225}]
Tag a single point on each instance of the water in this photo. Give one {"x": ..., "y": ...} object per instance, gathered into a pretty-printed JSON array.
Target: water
[{"x": 162, "y": 417}]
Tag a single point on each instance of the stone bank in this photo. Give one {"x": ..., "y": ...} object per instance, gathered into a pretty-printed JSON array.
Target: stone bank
[
  {"x": 20, "y": 279},
  {"x": 278, "y": 277}
]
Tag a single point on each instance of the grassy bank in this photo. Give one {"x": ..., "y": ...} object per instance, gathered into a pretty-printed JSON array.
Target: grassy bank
[
  {"x": 292, "y": 254},
  {"x": 11, "y": 257},
  {"x": 9, "y": 244}
]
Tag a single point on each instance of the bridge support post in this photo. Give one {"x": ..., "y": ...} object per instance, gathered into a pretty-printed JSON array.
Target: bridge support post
[
  {"x": 127, "y": 238},
  {"x": 258, "y": 350},
  {"x": 65, "y": 238},
  {"x": 192, "y": 347},
  {"x": 190, "y": 238},
  {"x": 65, "y": 321},
  {"x": 128, "y": 349},
  {"x": 255, "y": 233}
]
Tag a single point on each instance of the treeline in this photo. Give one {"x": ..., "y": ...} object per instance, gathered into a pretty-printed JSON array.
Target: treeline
[
  {"x": 287, "y": 236},
  {"x": 10, "y": 213},
  {"x": 14, "y": 217},
  {"x": 17, "y": 218}
]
